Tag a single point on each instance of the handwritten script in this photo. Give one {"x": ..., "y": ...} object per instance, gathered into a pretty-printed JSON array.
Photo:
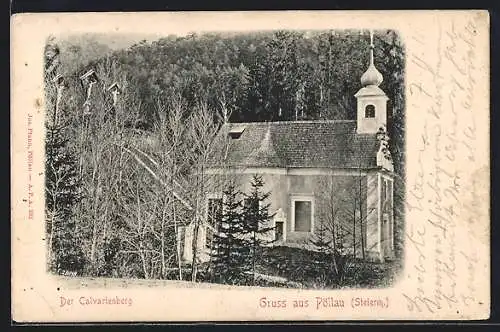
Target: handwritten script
[{"x": 440, "y": 191}]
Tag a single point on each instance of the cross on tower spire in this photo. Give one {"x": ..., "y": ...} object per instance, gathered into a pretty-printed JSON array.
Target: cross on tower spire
[
  {"x": 371, "y": 76},
  {"x": 371, "y": 47}
]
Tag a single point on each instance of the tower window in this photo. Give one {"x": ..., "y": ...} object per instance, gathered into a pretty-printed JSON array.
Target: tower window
[{"x": 370, "y": 111}]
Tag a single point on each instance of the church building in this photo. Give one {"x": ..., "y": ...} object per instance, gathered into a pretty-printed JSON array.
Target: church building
[{"x": 323, "y": 176}]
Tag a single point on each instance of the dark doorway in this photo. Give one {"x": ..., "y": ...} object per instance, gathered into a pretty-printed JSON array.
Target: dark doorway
[{"x": 279, "y": 230}]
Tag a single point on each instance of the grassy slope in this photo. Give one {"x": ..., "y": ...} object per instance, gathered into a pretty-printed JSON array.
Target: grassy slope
[
  {"x": 309, "y": 269},
  {"x": 279, "y": 267},
  {"x": 289, "y": 267}
]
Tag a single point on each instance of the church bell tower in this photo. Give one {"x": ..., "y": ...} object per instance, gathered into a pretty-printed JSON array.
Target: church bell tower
[{"x": 371, "y": 100}]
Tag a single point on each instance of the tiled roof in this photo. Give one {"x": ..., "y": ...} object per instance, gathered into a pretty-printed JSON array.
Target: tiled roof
[{"x": 332, "y": 144}]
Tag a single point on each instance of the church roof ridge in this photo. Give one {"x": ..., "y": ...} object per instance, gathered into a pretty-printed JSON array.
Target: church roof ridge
[{"x": 288, "y": 122}]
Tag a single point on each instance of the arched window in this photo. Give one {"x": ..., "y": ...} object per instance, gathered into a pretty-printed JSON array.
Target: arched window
[{"x": 370, "y": 111}]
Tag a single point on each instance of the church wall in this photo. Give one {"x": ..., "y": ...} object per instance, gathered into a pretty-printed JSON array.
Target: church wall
[
  {"x": 344, "y": 192},
  {"x": 341, "y": 202},
  {"x": 387, "y": 212},
  {"x": 276, "y": 184},
  {"x": 353, "y": 196},
  {"x": 373, "y": 216},
  {"x": 187, "y": 244}
]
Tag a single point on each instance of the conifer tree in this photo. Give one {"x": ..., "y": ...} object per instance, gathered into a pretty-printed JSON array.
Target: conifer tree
[
  {"x": 62, "y": 185},
  {"x": 320, "y": 239},
  {"x": 229, "y": 248},
  {"x": 62, "y": 182},
  {"x": 256, "y": 221}
]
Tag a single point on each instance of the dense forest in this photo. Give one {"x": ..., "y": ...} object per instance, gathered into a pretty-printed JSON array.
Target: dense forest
[
  {"x": 173, "y": 94},
  {"x": 257, "y": 77}
]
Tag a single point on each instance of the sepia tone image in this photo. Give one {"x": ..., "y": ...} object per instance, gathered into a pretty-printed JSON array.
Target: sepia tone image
[
  {"x": 271, "y": 158},
  {"x": 250, "y": 166}
]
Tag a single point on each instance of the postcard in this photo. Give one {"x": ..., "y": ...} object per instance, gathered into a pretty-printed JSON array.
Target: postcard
[{"x": 250, "y": 166}]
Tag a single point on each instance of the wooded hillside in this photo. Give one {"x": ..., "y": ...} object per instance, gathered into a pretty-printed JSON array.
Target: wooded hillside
[{"x": 113, "y": 218}]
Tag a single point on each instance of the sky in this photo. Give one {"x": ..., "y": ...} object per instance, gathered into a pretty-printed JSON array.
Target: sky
[{"x": 114, "y": 41}]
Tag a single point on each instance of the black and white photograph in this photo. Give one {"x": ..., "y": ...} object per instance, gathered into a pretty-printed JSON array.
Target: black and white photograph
[{"x": 270, "y": 158}]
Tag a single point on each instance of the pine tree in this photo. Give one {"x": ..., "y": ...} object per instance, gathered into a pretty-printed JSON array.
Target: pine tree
[
  {"x": 256, "y": 221},
  {"x": 62, "y": 186},
  {"x": 229, "y": 248},
  {"x": 320, "y": 239},
  {"x": 62, "y": 183}
]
